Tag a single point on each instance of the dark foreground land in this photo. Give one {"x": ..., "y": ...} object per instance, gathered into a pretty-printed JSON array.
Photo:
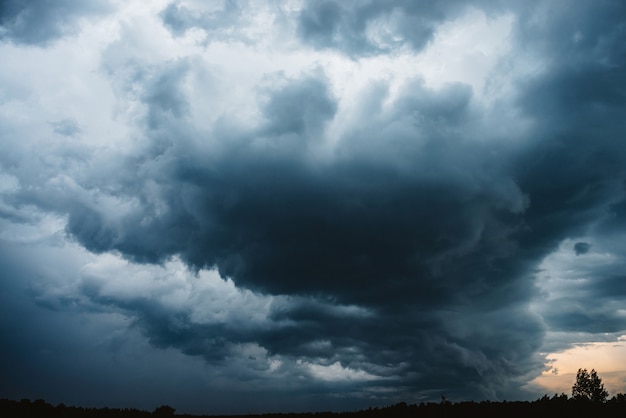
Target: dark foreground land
[{"x": 557, "y": 406}]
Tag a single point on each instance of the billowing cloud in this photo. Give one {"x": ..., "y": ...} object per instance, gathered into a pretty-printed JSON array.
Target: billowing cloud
[
  {"x": 289, "y": 204},
  {"x": 369, "y": 27},
  {"x": 180, "y": 17},
  {"x": 40, "y": 22}
]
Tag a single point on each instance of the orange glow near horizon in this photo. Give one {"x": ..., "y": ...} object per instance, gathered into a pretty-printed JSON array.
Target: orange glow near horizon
[{"x": 608, "y": 359}]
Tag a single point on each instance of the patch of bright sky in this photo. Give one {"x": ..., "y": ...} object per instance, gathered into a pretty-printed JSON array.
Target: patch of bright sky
[
  {"x": 466, "y": 50},
  {"x": 607, "y": 358},
  {"x": 564, "y": 272},
  {"x": 336, "y": 372}
]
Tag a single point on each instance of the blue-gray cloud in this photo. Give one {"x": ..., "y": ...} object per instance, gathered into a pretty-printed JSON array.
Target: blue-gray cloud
[
  {"x": 39, "y": 22},
  {"x": 405, "y": 225},
  {"x": 581, "y": 248},
  {"x": 362, "y": 28},
  {"x": 404, "y": 246},
  {"x": 179, "y": 18},
  {"x": 65, "y": 127}
]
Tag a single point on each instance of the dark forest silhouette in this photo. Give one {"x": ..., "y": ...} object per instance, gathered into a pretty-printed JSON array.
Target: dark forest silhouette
[
  {"x": 589, "y": 399},
  {"x": 589, "y": 387},
  {"x": 557, "y": 405}
]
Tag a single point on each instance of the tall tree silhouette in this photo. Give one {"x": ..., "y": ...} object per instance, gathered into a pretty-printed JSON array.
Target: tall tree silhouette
[
  {"x": 589, "y": 386},
  {"x": 164, "y": 411}
]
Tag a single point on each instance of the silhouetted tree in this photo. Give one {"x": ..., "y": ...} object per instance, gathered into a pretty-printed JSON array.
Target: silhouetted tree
[
  {"x": 589, "y": 386},
  {"x": 619, "y": 398},
  {"x": 164, "y": 411}
]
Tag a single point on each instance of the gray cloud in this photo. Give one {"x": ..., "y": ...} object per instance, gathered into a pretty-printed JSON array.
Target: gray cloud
[
  {"x": 353, "y": 222},
  {"x": 358, "y": 28},
  {"x": 398, "y": 225},
  {"x": 573, "y": 171},
  {"x": 595, "y": 289},
  {"x": 400, "y": 251},
  {"x": 581, "y": 248},
  {"x": 65, "y": 127},
  {"x": 40, "y": 22},
  {"x": 299, "y": 108},
  {"x": 179, "y": 18}
]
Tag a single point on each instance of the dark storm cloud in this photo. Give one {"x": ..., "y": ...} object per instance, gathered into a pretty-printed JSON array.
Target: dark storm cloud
[
  {"x": 581, "y": 248},
  {"x": 300, "y": 108},
  {"x": 359, "y": 28},
  {"x": 67, "y": 355},
  {"x": 575, "y": 105},
  {"x": 584, "y": 314},
  {"x": 38, "y": 22},
  {"x": 290, "y": 328},
  {"x": 409, "y": 220},
  {"x": 573, "y": 169},
  {"x": 404, "y": 222},
  {"x": 219, "y": 23},
  {"x": 270, "y": 220},
  {"x": 408, "y": 250},
  {"x": 408, "y": 348}
]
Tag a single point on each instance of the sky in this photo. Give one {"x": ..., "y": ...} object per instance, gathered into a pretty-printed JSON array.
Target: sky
[{"x": 272, "y": 206}]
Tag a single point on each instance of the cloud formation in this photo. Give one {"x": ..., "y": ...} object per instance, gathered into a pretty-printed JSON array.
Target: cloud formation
[
  {"x": 40, "y": 22},
  {"x": 368, "y": 27},
  {"x": 268, "y": 190}
]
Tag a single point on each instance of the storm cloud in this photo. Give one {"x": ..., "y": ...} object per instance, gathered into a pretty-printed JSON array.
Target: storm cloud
[
  {"x": 40, "y": 22},
  {"x": 369, "y": 27},
  {"x": 306, "y": 221}
]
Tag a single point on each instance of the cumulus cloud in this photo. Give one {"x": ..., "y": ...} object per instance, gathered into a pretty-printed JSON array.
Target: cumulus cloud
[
  {"x": 179, "y": 17},
  {"x": 406, "y": 242},
  {"x": 366, "y": 27},
  {"x": 40, "y": 22}
]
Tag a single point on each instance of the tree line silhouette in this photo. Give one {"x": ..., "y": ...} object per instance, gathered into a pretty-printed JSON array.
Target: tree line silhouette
[
  {"x": 589, "y": 399},
  {"x": 557, "y": 405}
]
